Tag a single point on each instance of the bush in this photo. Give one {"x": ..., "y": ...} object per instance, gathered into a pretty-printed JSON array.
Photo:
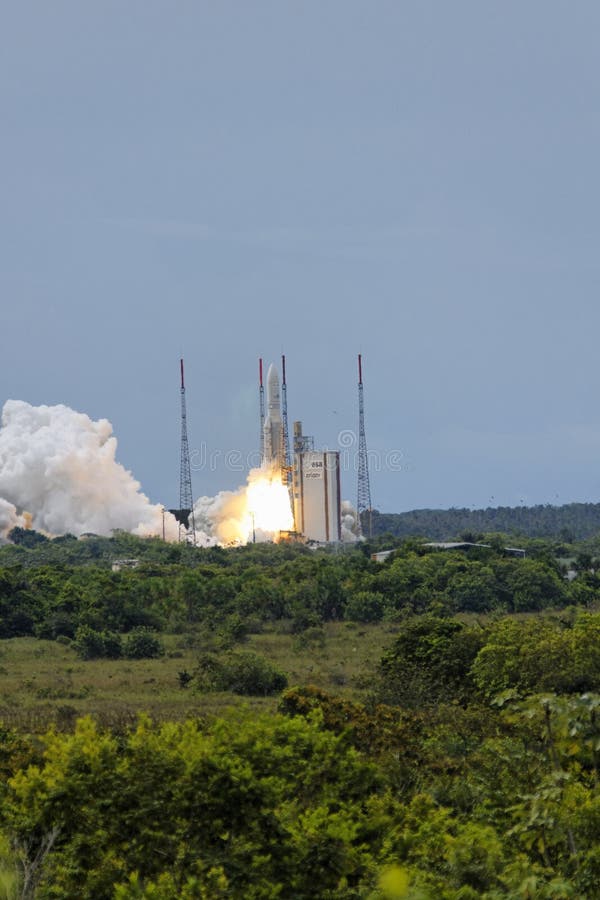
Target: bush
[
  {"x": 55, "y": 625},
  {"x": 429, "y": 662},
  {"x": 92, "y": 644},
  {"x": 141, "y": 643},
  {"x": 310, "y": 639},
  {"x": 243, "y": 673},
  {"x": 540, "y": 655},
  {"x": 365, "y": 606},
  {"x": 303, "y": 619},
  {"x": 234, "y": 629}
]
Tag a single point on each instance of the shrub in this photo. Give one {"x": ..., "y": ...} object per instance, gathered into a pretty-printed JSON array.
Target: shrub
[
  {"x": 303, "y": 619},
  {"x": 311, "y": 638},
  {"x": 55, "y": 625},
  {"x": 429, "y": 662},
  {"x": 243, "y": 673},
  {"x": 92, "y": 644},
  {"x": 234, "y": 629},
  {"x": 540, "y": 655},
  {"x": 142, "y": 643},
  {"x": 365, "y": 606}
]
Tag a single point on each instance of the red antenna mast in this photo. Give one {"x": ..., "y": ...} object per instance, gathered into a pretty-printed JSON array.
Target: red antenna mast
[
  {"x": 363, "y": 503},
  {"x": 186, "y": 497}
]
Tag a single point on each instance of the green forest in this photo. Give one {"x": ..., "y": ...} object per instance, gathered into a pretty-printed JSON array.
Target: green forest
[
  {"x": 572, "y": 521},
  {"x": 272, "y": 721}
]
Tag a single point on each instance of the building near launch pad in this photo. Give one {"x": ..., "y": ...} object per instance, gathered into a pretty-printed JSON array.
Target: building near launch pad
[{"x": 316, "y": 489}]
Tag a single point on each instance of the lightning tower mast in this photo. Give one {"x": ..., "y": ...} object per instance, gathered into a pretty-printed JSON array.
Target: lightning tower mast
[
  {"x": 285, "y": 436},
  {"x": 261, "y": 400},
  {"x": 186, "y": 498},
  {"x": 363, "y": 504}
]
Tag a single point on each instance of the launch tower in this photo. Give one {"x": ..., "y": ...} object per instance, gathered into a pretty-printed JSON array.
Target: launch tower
[
  {"x": 186, "y": 498},
  {"x": 286, "y": 461},
  {"x": 261, "y": 401},
  {"x": 363, "y": 504}
]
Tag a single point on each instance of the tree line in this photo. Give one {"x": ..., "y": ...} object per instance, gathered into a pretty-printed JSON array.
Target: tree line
[
  {"x": 272, "y": 583},
  {"x": 572, "y": 521}
]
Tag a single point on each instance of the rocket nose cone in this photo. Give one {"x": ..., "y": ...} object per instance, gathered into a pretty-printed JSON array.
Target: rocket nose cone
[{"x": 272, "y": 375}]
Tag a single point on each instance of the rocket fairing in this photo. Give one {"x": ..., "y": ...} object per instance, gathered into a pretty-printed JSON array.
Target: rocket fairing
[{"x": 272, "y": 429}]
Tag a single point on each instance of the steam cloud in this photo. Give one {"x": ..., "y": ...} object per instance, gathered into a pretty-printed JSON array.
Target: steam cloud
[
  {"x": 58, "y": 474},
  {"x": 349, "y": 523}
]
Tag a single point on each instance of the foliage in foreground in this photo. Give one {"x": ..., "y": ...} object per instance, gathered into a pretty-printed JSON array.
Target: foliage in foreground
[
  {"x": 440, "y": 788},
  {"x": 451, "y": 805},
  {"x": 435, "y": 660}
]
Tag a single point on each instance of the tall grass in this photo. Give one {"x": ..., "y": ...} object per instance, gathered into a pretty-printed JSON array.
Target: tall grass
[{"x": 44, "y": 682}]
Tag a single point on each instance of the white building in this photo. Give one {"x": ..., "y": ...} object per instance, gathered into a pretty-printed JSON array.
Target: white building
[{"x": 317, "y": 496}]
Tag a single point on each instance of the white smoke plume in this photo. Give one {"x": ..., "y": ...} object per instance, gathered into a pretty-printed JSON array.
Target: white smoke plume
[
  {"x": 349, "y": 523},
  {"x": 221, "y": 520},
  {"x": 58, "y": 474}
]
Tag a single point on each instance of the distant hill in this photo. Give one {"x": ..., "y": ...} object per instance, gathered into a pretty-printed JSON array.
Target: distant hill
[{"x": 574, "y": 521}]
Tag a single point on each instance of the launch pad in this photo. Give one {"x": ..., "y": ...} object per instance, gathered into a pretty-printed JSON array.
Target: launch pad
[{"x": 312, "y": 478}]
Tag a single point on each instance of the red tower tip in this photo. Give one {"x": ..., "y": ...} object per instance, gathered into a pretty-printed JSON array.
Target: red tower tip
[
  {"x": 260, "y": 375},
  {"x": 360, "y": 368},
  {"x": 282, "y": 369},
  {"x": 182, "y": 379}
]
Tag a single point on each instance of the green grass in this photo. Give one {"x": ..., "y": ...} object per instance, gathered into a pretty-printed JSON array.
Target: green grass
[{"x": 44, "y": 682}]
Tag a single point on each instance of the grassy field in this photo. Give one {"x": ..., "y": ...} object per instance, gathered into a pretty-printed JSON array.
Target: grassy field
[{"x": 44, "y": 682}]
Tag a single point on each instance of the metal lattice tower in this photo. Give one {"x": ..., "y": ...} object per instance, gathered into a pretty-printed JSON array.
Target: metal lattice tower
[
  {"x": 363, "y": 503},
  {"x": 186, "y": 497},
  {"x": 285, "y": 434},
  {"x": 261, "y": 401}
]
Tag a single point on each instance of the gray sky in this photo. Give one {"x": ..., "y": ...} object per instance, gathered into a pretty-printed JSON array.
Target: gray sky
[{"x": 414, "y": 180}]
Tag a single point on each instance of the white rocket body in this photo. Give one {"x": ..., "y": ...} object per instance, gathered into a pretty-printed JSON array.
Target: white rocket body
[{"x": 272, "y": 432}]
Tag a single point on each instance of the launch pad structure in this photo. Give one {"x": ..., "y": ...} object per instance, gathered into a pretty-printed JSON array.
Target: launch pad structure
[
  {"x": 316, "y": 491},
  {"x": 185, "y": 513},
  {"x": 312, "y": 477},
  {"x": 364, "y": 508}
]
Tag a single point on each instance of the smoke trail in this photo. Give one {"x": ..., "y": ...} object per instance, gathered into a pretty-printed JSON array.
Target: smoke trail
[{"x": 58, "y": 474}]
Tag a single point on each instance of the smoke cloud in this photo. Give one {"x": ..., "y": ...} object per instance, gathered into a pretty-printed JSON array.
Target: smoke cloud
[
  {"x": 59, "y": 474},
  {"x": 349, "y": 523}
]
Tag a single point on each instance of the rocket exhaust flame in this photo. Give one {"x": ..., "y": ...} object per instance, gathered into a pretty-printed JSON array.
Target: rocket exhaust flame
[{"x": 258, "y": 510}]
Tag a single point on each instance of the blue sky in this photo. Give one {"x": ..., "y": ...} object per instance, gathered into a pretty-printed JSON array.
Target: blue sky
[{"x": 416, "y": 181}]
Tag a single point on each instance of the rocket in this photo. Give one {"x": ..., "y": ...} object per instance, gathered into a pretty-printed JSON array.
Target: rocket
[{"x": 272, "y": 428}]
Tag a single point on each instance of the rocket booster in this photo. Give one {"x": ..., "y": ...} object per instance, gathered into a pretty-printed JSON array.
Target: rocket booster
[{"x": 272, "y": 429}]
